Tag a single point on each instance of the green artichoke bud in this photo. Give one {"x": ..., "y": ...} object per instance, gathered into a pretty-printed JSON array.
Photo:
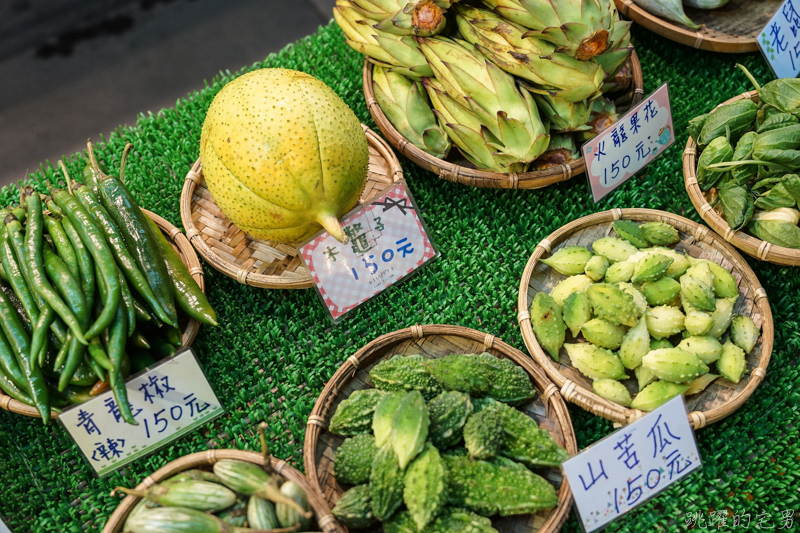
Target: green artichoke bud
[
  {"x": 613, "y": 60},
  {"x": 564, "y": 116},
  {"x": 399, "y": 53},
  {"x": 405, "y": 17},
  {"x": 570, "y": 260},
  {"x": 405, "y": 103},
  {"x": 613, "y": 391},
  {"x": 604, "y": 114},
  {"x": 561, "y": 151}
]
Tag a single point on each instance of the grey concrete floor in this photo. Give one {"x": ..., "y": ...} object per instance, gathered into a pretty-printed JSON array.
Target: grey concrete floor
[{"x": 50, "y": 106}]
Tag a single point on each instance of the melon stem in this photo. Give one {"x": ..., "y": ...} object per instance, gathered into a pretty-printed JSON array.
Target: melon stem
[{"x": 332, "y": 226}]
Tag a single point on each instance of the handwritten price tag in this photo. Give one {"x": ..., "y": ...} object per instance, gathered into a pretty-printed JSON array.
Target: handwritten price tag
[
  {"x": 4, "y": 528},
  {"x": 633, "y": 464},
  {"x": 639, "y": 136},
  {"x": 779, "y": 42},
  {"x": 388, "y": 242},
  {"x": 167, "y": 401}
]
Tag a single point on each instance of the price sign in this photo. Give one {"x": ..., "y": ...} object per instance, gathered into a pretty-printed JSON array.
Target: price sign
[
  {"x": 4, "y": 528},
  {"x": 633, "y": 464},
  {"x": 387, "y": 242},
  {"x": 624, "y": 148},
  {"x": 168, "y": 401},
  {"x": 779, "y": 41}
]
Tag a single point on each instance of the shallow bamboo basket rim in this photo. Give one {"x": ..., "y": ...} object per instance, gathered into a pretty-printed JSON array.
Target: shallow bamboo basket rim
[
  {"x": 752, "y": 246},
  {"x": 189, "y": 258},
  {"x": 261, "y": 263},
  {"x": 732, "y": 28},
  {"x": 462, "y": 171},
  {"x": 432, "y": 341},
  {"x": 206, "y": 460},
  {"x": 719, "y": 399}
]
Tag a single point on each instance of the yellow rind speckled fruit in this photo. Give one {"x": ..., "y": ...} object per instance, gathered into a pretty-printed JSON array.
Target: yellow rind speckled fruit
[{"x": 283, "y": 155}]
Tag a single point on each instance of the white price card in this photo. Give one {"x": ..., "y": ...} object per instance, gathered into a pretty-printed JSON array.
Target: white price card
[
  {"x": 4, "y": 528},
  {"x": 167, "y": 400},
  {"x": 633, "y": 464},
  {"x": 779, "y": 41},
  {"x": 387, "y": 242},
  {"x": 624, "y": 148}
]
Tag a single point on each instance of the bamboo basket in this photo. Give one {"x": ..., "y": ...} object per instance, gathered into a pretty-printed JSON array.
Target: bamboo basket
[
  {"x": 719, "y": 399},
  {"x": 732, "y": 28},
  {"x": 205, "y": 461},
  {"x": 190, "y": 325},
  {"x": 434, "y": 341},
  {"x": 459, "y": 170},
  {"x": 752, "y": 246},
  {"x": 261, "y": 263}
]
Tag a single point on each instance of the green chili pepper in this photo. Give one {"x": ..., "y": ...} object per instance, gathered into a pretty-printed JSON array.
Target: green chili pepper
[
  {"x": 78, "y": 394},
  {"x": 94, "y": 241},
  {"x": 8, "y": 386},
  {"x": 187, "y": 292},
  {"x": 70, "y": 290},
  {"x": 174, "y": 336},
  {"x": 142, "y": 313},
  {"x": 718, "y": 150},
  {"x": 117, "y": 383},
  {"x": 139, "y": 238},
  {"x": 141, "y": 360},
  {"x": 9, "y": 366},
  {"x": 160, "y": 347},
  {"x": 16, "y": 280},
  {"x": 116, "y": 242},
  {"x": 89, "y": 177},
  {"x": 97, "y": 369},
  {"x": 61, "y": 356},
  {"x": 139, "y": 340},
  {"x": 85, "y": 262},
  {"x": 75, "y": 353},
  {"x": 117, "y": 334},
  {"x": 736, "y": 117},
  {"x": 98, "y": 354},
  {"x": 62, "y": 244}
]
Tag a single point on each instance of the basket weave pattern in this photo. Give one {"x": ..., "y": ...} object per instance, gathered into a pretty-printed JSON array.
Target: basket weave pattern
[
  {"x": 433, "y": 341},
  {"x": 719, "y": 399}
]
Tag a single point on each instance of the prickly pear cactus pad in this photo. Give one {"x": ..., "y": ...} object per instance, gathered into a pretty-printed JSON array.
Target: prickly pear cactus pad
[{"x": 688, "y": 304}]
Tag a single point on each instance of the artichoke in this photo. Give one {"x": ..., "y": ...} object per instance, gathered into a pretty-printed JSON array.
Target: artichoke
[
  {"x": 561, "y": 151},
  {"x": 406, "y": 105},
  {"x": 534, "y": 60},
  {"x": 495, "y": 124},
  {"x": 398, "y": 53},
  {"x": 405, "y": 17},
  {"x": 564, "y": 116}
]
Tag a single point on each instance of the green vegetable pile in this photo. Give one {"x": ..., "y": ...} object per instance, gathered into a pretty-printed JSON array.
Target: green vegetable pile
[
  {"x": 751, "y": 157},
  {"x": 404, "y": 456},
  {"x": 237, "y": 497},
  {"x": 89, "y": 294},
  {"x": 633, "y": 300}
]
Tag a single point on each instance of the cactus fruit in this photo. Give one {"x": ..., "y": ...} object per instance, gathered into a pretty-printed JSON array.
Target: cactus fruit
[
  {"x": 697, "y": 293},
  {"x": 674, "y": 365},
  {"x": 547, "y": 323},
  {"x": 744, "y": 333},
  {"x": 354, "y": 415},
  {"x": 619, "y": 272},
  {"x": 384, "y": 414},
  {"x": 707, "y": 349},
  {"x": 664, "y": 321},
  {"x": 698, "y": 323},
  {"x": 651, "y": 267},
  {"x": 457, "y": 520},
  {"x": 449, "y": 412},
  {"x": 613, "y": 304},
  {"x": 569, "y": 261},
  {"x": 463, "y": 373},
  {"x": 508, "y": 382},
  {"x": 353, "y": 461},
  {"x": 386, "y": 483},
  {"x": 644, "y": 376},
  {"x": 499, "y": 486},
  {"x": 409, "y": 428},
  {"x": 723, "y": 316},
  {"x": 603, "y": 333},
  {"x": 655, "y": 344},
  {"x": 405, "y": 373},
  {"x": 567, "y": 286},
  {"x": 354, "y": 508},
  {"x": 613, "y": 391},
  {"x": 631, "y": 232},
  {"x": 657, "y": 394},
  {"x": 483, "y": 434},
  {"x": 660, "y": 233},
  {"x": 425, "y": 491},
  {"x": 635, "y": 345},
  {"x": 700, "y": 384},
  {"x": 595, "y": 362},
  {"x": 577, "y": 311},
  {"x": 732, "y": 363},
  {"x": 639, "y": 301},
  {"x": 596, "y": 267},
  {"x": 725, "y": 285},
  {"x": 662, "y": 291},
  {"x": 613, "y": 249}
]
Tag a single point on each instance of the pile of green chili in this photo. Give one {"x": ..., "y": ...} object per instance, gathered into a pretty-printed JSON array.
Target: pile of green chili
[{"x": 91, "y": 293}]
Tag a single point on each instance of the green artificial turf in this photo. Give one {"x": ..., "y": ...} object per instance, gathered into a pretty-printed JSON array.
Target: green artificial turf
[{"x": 275, "y": 349}]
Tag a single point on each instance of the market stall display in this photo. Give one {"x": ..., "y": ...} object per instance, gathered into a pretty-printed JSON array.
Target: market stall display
[
  {"x": 261, "y": 263},
  {"x": 675, "y": 302},
  {"x": 421, "y": 363},
  {"x": 719, "y": 26}
]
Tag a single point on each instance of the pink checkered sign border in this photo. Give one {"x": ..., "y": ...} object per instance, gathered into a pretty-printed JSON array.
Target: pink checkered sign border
[{"x": 388, "y": 242}]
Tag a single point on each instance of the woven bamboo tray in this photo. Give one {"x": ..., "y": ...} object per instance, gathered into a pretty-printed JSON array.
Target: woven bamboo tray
[
  {"x": 261, "y": 263},
  {"x": 190, "y": 326},
  {"x": 719, "y": 399},
  {"x": 434, "y": 341},
  {"x": 459, "y": 170},
  {"x": 752, "y": 246},
  {"x": 732, "y": 28},
  {"x": 205, "y": 461}
]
